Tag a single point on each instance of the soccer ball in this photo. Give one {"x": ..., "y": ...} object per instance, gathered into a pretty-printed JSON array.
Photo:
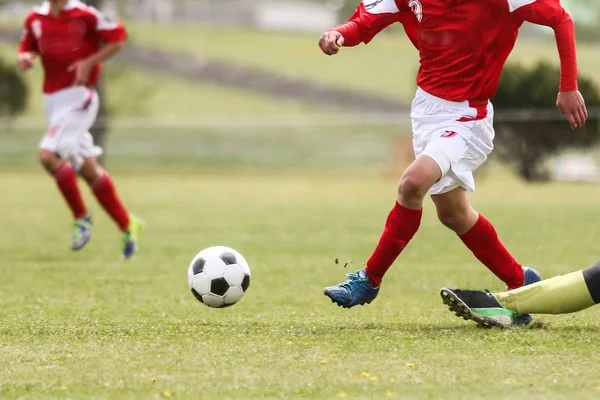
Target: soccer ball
[{"x": 218, "y": 276}]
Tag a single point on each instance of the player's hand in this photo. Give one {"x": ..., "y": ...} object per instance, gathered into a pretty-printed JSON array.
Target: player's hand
[
  {"x": 25, "y": 61},
  {"x": 572, "y": 105},
  {"x": 82, "y": 70},
  {"x": 331, "y": 42}
]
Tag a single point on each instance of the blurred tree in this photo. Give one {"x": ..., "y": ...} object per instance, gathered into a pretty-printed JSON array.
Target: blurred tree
[
  {"x": 588, "y": 32},
  {"x": 13, "y": 91},
  {"x": 538, "y": 131}
]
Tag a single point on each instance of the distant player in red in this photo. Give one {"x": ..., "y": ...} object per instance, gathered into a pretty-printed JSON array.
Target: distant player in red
[
  {"x": 463, "y": 46},
  {"x": 72, "y": 39}
]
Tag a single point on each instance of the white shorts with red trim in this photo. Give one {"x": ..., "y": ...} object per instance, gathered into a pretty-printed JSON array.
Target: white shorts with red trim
[
  {"x": 71, "y": 113},
  {"x": 456, "y": 136}
]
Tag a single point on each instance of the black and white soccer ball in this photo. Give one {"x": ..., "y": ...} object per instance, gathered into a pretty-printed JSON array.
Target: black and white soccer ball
[{"x": 219, "y": 276}]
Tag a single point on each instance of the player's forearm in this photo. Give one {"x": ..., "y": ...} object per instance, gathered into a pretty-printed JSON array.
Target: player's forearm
[
  {"x": 567, "y": 51},
  {"x": 106, "y": 52},
  {"x": 351, "y": 33}
]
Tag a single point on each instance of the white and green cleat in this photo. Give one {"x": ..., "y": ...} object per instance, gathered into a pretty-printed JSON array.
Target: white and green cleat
[
  {"x": 81, "y": 232},
  {"x": 479, "y": 306},
  {"x": 131, "y": 236}
]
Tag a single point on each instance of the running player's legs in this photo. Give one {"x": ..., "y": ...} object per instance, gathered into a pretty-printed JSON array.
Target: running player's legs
[
  {"x": 433, "y": 164},
  {"x": 70, "y": 113},
  {"x": 460, "y": 148},
  {"x": 70, "y": 146}
]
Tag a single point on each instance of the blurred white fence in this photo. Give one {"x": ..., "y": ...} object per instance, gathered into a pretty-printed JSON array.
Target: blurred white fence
[
  {"x": 260, "y": 121},
  {"x": 286, "y": 15},
  {"x": 322, "y": 141}
]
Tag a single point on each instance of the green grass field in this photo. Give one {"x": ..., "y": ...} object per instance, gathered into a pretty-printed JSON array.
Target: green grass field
[
  {"x": 86, "y": 325},
  {"x": 291, "y": 199}
]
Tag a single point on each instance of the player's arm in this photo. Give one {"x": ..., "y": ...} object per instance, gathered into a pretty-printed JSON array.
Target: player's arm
[
  {"x": 370, "y": 18},
  {"x": 28, "y": 48},
  {"x": 112, "y": 34},
  {"x": 551, "y": 13}
]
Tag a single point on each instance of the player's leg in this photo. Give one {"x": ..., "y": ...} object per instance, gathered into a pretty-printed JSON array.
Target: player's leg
[
  {"x": 404, "y": 219},
  {"x": 105, "y": 191},
  {"x": 85, "y": 159},
  {"x": 401, "y": 224},
  {"x": 428, "y": 122},
  {"x": 479, "y": 235},
  {"x": 79, "y": 107},
  {"x": 66, "y": 181},
  {"x": 559, "y": 295}
]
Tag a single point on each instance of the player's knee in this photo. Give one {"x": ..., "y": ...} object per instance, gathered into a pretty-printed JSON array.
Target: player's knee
[
  {"x": 454, "y": 219},
  {"x": 411, "y": 187},
  {"x": 49, "y": 160}
]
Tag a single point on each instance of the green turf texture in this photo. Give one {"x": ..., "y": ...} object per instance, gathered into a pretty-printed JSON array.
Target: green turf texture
[{"x": 87, "y": 325}]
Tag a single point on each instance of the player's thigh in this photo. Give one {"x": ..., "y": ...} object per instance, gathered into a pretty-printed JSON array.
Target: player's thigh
[
  {"x": 421, "y": 174},
  {"x": 70, "y": 139},
  {"x": 70, "y": 112}
]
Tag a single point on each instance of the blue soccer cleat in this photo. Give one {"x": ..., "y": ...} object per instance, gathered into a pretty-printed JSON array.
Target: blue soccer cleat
[
  {"x": 530, "y": 276},
  {"x": 131, "y": 237},
  {"x": 357, "y": 290},
  {"x": 81, "y": 233}
]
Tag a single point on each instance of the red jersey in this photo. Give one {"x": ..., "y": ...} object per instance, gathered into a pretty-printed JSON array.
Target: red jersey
[
  {"x": 75, "y": 34},
  {"x": 464, "y": 44}
]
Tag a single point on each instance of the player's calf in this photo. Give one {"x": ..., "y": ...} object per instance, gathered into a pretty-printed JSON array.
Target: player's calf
[
  {"x": 91, "y": 171},
  {"x": 105, "y": 191},
  {"x": 66, "y": 180},
  {"x": 454, "y": 211}
]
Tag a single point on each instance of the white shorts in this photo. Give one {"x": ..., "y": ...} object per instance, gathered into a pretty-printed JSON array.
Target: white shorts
[
  {"x": 459, "y": 148},
  {"x": 71, "y": 113}
]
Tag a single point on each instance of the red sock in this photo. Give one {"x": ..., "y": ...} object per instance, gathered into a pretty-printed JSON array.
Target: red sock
[
  {"x": 67, "y": 184},
  {"x": 483, "y": 241},
  {"x": 400, "y": 226},
  {"x": 105, "y": 191}
]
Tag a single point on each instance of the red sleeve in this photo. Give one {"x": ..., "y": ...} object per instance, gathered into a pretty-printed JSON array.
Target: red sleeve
[
  {"x": 108, "y": 31},
  {"x": 551, "y": 13},
  {"x": 367, "y": 21},
  {"x": 409, "y": 22},
  {"x": 28, "y": 41}
]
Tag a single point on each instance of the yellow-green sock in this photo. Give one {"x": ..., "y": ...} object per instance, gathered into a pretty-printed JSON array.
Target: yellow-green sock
[{"x": 559, "y": 295}]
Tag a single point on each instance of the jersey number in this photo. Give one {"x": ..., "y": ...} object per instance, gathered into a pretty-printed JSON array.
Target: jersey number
[{"x": 417, "y": 8}]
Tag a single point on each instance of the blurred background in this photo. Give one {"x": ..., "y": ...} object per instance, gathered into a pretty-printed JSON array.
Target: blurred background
[{"x": 220, "y": 84}]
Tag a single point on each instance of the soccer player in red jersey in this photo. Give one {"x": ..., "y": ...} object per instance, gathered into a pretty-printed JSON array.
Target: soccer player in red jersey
[
  {"x": 72, "y": 39},
  {"x": 463, "y": 46}
]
